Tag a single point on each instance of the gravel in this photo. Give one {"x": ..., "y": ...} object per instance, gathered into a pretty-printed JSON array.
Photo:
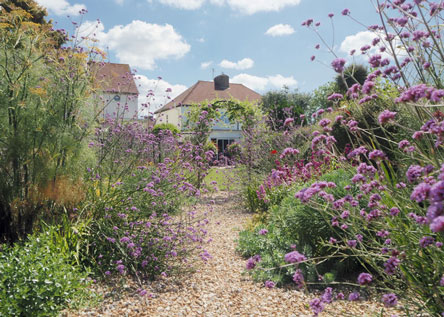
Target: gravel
[{"x": 220, "y": 286}]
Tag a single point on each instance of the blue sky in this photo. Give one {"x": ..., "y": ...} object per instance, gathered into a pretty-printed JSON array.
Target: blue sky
[{"x": 259, "y": 43}]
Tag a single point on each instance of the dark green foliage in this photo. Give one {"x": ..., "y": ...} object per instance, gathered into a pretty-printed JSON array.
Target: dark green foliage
[
  {"x": 37, "y": 279},
  {"x": 353, "y": 74},
  {"x": 279, "y": 105}
]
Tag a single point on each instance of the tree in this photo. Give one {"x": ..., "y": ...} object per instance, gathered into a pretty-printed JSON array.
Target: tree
[
  {"x": 353, "y": 74},
  {"x": 31, "y": 11},
  {"x": 319, "y": 97},
  {"x": 283, "y": 104},
  {"x": 37, "y": 13}
]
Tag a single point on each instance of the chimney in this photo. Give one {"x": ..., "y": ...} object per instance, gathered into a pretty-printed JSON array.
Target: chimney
[{"x": 221, "y": 82}]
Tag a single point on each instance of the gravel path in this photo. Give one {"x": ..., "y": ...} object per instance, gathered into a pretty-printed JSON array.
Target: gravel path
[{"x": 219, "y": 287}]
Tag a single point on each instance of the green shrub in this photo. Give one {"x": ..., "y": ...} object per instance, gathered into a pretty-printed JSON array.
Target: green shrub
[
  {"x": 291, "y": 223},
  {"x": 165, "y": 126},
  {"x": 250, "y": 199},
  {"x": 234, "y": 151},
  {"x": 37, "y": 279},
  {"x": 210, "y": 146}
]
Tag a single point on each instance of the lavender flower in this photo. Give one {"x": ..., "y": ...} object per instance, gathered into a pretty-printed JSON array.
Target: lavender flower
[
  {"x": 426, "y": 241},
  {"x": 437, "y": 224},
  {"x": 414, "y": 172},
  {"x": 351, "y": 243},
  {"x": 335, "y": 96},
  {"x": 270, "y": 284},
  {"x": 338, "y": 65},
  {"x": 386, "y": 116},
  {"x": 294, "y": 257},
  {"x": 327, "y": 296},
  {"x": 420, "y": 192},
  {"x": 317, "y": 306},
  {"x": 263, "y": 232},
  {"x": 377, "y": 154},
  {"x": 390, "y": 300},
  {"x": 353, "y": 296},
  {"x": 298, "y": 278},
  {"x": 365, "y": 278},
  {"x": 391, "y": 265}
]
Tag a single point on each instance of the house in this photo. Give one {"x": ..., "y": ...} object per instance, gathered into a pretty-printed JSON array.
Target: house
[
  {"x": 118, "y": 91},
  {"x": 224, "y": 132}
]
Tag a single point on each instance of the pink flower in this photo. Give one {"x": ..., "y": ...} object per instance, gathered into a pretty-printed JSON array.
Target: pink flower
[{"x": 288, "y": 121}]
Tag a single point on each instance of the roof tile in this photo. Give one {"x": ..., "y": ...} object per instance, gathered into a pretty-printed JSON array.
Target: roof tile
[
  {"x": 116, "y": 78},
  {"x": 204, "y": 90}
]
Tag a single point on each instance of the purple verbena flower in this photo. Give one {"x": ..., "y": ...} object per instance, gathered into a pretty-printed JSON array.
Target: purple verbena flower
[
  {"x": 426, "y": 241},
  {"x": 390, "y": 300},
  {"x": 298, "y": 278},
  {"x": 437, "y": 224},
  {"x": 294, "y": 257},
  {"x": 263, "y": 232},
  {"x": 365, "y": 278},
  {"x": 338, "y": 65},
  {"x": 353, "y": 296},
  {"x": 386, "y": 116},
  {"x": 270, "y": 284},
  {"x": 317, "y": 306}
]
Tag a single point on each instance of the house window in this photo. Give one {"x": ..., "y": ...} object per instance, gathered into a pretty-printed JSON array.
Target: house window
[{"x": 116, "y": 98}]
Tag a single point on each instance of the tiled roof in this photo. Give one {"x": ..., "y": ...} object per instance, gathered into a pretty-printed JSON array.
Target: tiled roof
[
  {"x": 204, "y": 90},
  {"x": 116, "y": 78}
]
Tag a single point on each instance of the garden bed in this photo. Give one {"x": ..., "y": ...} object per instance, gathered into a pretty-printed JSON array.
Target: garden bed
[{"x": 220, "y": 286}]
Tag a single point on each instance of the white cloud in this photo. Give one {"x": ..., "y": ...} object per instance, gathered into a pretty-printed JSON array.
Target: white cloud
[
  {"x": 184, "y": 4},
  {"x": 261, "y": 83},
  {"x": 280, "y": 30},
  {"x": 139, "y": 43},
  {"x": 119, "y": 1},
  {"x": 243, "y": 6},
  {"x": 252, "y": 82},
  {"x": 201, "y": 40},
  {"x": 205, "y": 65},
  {"x": 245, "y": 63},
  {"x": 358, "y": 40},
  {"x": 159, "y": 88},
  {"x": 252, "y": 7},
  {"x": 61, "y": 7},
  {"x": 92, "y": 30},
  {"x": 280, "y": 81}
]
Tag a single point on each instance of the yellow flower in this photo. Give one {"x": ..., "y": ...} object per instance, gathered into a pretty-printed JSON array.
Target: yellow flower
[{"x": 38, "y": 91}]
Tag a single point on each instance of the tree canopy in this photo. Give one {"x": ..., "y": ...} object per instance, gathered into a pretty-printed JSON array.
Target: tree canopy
[{"x": 282, "y": 104}]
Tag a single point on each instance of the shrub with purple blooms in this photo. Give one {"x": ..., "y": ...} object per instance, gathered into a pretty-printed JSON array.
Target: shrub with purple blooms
[{"x": 388, "y": 135}]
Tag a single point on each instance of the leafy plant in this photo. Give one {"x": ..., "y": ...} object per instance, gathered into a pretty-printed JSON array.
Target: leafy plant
[{"x": 38, "y": 279}]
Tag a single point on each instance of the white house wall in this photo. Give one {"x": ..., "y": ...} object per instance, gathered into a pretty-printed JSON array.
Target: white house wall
[
  {"x": 170, "y": 116},
  {"x": 127, "y": 105}
]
